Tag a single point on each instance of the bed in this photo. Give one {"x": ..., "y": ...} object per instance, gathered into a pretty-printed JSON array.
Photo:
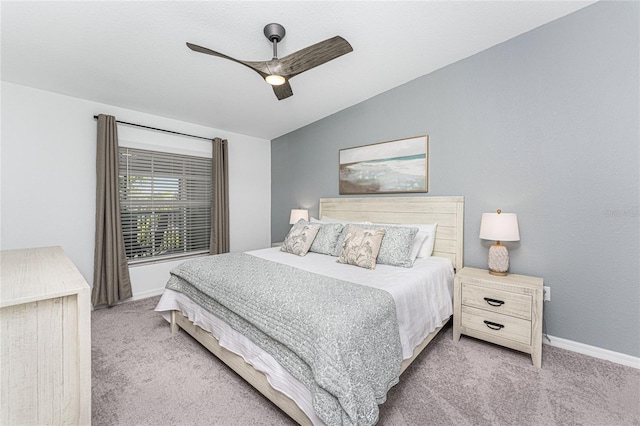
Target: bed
[{"x": 266, "y": 373}]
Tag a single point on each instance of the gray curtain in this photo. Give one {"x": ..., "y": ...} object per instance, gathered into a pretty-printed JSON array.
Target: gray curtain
[
  {"x": 219, "y": 242},
  {"x": 111, "y": 282}
]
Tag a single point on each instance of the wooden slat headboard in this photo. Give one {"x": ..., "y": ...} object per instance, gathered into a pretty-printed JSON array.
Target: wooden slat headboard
[{"x": 448, "y": 212}]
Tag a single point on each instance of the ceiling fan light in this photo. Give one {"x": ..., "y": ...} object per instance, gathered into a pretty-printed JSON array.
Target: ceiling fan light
[{"x": 275, "y": 80}]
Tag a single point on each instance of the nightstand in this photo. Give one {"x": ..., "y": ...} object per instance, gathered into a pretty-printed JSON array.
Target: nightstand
[{"x": 503, "y": 310}]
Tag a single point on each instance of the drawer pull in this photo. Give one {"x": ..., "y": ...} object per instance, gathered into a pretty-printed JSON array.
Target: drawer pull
[
  {"x": 494, "y": 302},
  {"x": 493, "y": 325}
]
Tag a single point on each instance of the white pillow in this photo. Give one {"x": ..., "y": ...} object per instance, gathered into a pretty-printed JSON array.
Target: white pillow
[
  {"x": 427, "y": 246},
  {"x": 418, "y": 241}
]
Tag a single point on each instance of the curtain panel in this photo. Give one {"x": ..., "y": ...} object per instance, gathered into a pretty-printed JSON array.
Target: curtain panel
[
  {"x": 111, "y": 281},
  {"x": 219, "y": 242}
]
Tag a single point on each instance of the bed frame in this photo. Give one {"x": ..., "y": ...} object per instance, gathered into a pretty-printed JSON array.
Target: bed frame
[{"x": 448, "y": 212}]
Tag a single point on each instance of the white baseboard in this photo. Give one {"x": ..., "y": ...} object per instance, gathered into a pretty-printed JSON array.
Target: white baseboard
[
  {"x": 593, "y": 351},
  {"x": 146, "y": 294},
  {"x": 139, "y": 296}
]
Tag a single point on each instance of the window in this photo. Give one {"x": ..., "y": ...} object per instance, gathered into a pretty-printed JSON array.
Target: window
[{"x": 165, "y": 204}]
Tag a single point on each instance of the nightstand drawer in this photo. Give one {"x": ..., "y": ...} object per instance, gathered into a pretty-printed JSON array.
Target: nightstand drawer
[
  {"x": 503, "y": 326},
  {"x": 490, "y": 299}
]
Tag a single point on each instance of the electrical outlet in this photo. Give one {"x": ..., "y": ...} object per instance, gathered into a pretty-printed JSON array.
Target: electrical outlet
[{"x": 547, "y": 293}]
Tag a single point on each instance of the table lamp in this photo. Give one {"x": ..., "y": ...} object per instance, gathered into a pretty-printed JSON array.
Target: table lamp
[
  {"x": 297, "y": 214},
  {"x": 499, "y": 227}
]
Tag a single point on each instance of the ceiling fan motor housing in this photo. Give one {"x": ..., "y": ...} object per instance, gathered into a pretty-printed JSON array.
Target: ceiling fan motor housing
[{"x": 274, "y": 32}]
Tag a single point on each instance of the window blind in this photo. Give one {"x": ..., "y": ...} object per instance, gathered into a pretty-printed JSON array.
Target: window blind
[{"x": 165, "y": 204}]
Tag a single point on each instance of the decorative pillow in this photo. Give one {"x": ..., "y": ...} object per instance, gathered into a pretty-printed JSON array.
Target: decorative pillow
[
  {"x": 424, "y": 240},
  {"x": 300, "y": 237},
  {"x": 396, "y": 245},
  {"x": 361, "y": 246},
  {"x": 343, "y": 234},
  {"x": 325, "y": 241}
]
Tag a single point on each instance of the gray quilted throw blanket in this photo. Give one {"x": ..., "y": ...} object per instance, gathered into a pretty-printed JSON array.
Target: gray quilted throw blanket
[{"x": 340, "y": 339}]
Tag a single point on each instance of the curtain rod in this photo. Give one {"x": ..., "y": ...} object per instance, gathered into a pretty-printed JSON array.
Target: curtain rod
[{"x": 160, "y": 130}]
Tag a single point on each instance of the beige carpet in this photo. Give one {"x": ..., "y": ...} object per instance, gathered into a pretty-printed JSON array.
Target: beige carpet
[{"x": 142, "y": 375}]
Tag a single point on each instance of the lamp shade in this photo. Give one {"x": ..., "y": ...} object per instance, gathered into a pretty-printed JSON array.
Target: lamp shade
[
  {"x": 499, "y": 227},
  {"x": 297, "y": 214}
]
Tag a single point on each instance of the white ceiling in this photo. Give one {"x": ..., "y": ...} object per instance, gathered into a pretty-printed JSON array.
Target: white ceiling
[{"x": 133, "y": 54}]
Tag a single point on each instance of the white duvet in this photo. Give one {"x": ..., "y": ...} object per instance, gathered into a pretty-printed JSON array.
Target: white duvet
[{"x": 423, "y": 297}]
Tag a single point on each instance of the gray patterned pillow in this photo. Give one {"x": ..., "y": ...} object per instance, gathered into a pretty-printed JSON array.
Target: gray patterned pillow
[
  {"x": 300, "y": 237},
  {"x": 340, "y": 242},
  {"x": 396, "y": 245},
  {"x": 361, "y": 246},
  {"x": 325, "y": 242}
]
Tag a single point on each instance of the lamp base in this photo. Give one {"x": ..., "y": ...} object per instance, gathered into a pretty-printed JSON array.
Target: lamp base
[{"x": 498, "y": 259}]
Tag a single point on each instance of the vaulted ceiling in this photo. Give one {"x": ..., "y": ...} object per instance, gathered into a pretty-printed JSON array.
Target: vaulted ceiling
[{"x": 133, "y": 54}]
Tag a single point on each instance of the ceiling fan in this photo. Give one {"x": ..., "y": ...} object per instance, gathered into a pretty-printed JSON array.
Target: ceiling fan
[{"x": 278, "y": 72}]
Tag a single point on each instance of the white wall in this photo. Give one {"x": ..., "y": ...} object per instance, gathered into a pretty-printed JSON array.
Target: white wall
[{"x": 47, "y": 169}]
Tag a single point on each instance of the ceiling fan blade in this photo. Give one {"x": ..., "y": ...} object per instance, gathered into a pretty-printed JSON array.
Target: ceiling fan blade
[
  {"x": 259, "y": 67},
  {"x": 312, "y": 56},
  {"x": 283, "y": 91}
]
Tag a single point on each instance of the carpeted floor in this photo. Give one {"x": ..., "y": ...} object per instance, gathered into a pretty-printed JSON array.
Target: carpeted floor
[{"x": 143, "y": 375}]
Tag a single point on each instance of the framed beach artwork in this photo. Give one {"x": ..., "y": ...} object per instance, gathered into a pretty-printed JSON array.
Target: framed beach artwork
[{"x": 385, "y": 167}]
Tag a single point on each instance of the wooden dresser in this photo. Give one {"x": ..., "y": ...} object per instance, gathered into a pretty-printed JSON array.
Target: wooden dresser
[{"x": 45, "y": 323}]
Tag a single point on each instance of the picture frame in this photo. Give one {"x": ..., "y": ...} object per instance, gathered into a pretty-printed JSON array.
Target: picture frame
[{"x": 398, "y": 166}]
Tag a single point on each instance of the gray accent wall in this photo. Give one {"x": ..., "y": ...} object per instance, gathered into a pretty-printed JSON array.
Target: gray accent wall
[{"x": 545, "y": 125}]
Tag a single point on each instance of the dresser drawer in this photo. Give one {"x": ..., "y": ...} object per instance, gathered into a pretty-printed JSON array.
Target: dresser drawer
[
  {"x": 499, "y": 325},
  {"x": 498, "y": 301}
]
